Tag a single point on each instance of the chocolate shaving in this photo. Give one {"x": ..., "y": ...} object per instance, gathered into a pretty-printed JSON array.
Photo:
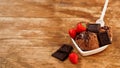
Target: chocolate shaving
[{"x": 86, "y": 38}]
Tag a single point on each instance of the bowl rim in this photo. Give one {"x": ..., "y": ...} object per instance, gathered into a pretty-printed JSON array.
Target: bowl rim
[{"x": 90, "y": 52}]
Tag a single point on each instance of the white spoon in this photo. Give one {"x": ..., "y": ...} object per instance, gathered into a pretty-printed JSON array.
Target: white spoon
[{"x": 100, "y": 20}]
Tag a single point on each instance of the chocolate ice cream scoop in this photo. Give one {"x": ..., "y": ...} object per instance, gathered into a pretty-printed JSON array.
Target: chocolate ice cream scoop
[{"x": 87, "y": 40}]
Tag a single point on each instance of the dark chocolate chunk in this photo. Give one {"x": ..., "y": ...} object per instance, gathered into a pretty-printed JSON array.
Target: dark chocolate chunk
[
  {"x": 60, "y": 55},
  {"x": 93, "y": 28},
  {"x": 103, "y": 38},
  {"x": 63, "y": 52},
  {"x": 66, "y": 48}
]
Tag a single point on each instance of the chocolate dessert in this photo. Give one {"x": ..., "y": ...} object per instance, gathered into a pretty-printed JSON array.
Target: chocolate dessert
[
  {"x": 94, "y": 37},
  {"x": 87, "y": 40}
]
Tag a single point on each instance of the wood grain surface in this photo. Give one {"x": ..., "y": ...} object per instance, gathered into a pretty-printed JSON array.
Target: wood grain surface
[{"x": 31, "y": 30}]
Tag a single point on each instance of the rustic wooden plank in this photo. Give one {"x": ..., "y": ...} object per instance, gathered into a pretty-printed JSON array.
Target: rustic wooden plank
[
  {"x": 28, "y": 8},
  {"x": 53, "y": 8}
]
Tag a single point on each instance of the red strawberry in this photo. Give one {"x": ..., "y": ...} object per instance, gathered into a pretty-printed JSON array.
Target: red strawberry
[
  {"x": 73, "y": 57},
  {"x": 72, "y": 33},
  {"x": 80, "y": 28}
]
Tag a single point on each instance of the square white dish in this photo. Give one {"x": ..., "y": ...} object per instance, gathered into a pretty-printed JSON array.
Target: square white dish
[{"x": 97, "y": 50}]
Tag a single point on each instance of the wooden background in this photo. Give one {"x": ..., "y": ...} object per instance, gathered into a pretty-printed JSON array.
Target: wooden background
[{"x": 31, "y": 30}]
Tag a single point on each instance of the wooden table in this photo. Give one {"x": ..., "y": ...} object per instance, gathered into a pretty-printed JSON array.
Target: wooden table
[{"x": 31, "y": 30}]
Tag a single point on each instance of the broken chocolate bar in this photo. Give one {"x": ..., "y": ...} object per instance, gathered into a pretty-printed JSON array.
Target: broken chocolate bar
[
  {"x": 66, "y": 48},
  {"x": 63, "y": 52},
  {"x": 93, "y": 28},
  {"x": 103, "y": 38},
  {"x": 60, "y": 55}
]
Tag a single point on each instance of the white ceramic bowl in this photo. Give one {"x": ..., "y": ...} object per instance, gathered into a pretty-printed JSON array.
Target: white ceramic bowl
[{"x": 90, "y": 52}]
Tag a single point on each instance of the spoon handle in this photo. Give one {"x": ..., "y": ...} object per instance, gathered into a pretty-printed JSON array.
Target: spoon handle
[{"x": 104, "y": 10}]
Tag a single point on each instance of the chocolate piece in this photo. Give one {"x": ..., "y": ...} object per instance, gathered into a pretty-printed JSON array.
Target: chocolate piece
[
  {"x": 60, "y": 55},
  {"x": 93, "y": 28},
  {"x": 66, "y": 48},
  {"x": 63, "y": 52},
  {"x": 103, "y": 38}
]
